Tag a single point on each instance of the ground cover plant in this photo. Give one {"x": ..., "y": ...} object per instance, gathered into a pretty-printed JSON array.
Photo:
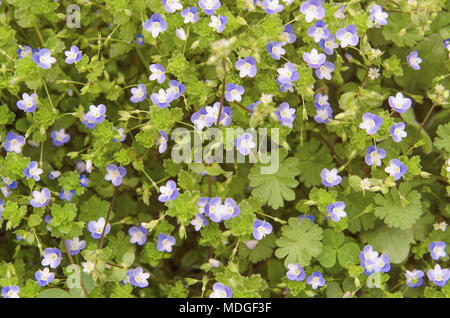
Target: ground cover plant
[{"x": 100, "y": 99}]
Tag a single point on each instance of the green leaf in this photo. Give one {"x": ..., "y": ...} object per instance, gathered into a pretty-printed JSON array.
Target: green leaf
[
  {"x": 53, "y": 293},
  {"x": 443, "y": 139},
  {"x": 274, "y": 188},
  {"x": 313, "y": 156},
  {"x": 399, "y": 208},
  {"x": 401, "y": 30},
  {"x": 299, "y": 242},
  {"x": 348, "y": 253}
]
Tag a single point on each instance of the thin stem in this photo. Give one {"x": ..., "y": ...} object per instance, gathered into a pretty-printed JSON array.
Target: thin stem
[
  {"x": 49, "y": 98},
  {"x": 243, "y": 107},
  {"x": 116, "y": 190},
  {"x": 223, "y": 92},
  {"x": 73, "y": 263},
  {"x": 420, "y": 129}
]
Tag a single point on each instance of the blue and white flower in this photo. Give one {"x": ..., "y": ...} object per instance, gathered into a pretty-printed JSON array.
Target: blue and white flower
[
  {"x": 138, "y": 278},
  {"x": 140, "y": 40},
  {"x": 245, "y": 143},
  {"x": 221, "y": 291},
  {"x": 161, "y": 141},
  {"x": 371, "y": 123},
  {"x": 172, "y": 5},
  {"x": 44, "y": 277},
  {"x": 83, "y": 181},
  {"x": 43, "y": 58},
  {"x": 378, "y": 16},
  {"x": 438, "y": 275},
  {"x": 162, "y": 99},
  {"x": 437, "y": 250},
  {"x": 96, "y": 228},
  {"x": 218, "y": 23},
  {"x": 275, "y": 49},
  {"x": 73, "y": 55},
  {"x": 400, "y": 103},
  {"x": 313, "y": 10},
  {"x": 209, "y": 6},
  {"x": 190, "y": 15},
  {"x": 336, "y": 211},
  {"x": 55, "y": 174},
  {"x": 165, "y": 243},
  {"x": 325, "y": 70},
  {"x": 60, "y": 137},
  {"x": 199, "y": 221},
  {"x": 27, "y": 103},
  {"x": 10, "y": 184},
  {"x": 396, "y": 169},
  {"x": 330, "y": 178},
  {"x": 295, "y": 272},
  {"x": 115, "y": 174},
  {"x": 272, "y": 6},
  {"x": 13, "y": 142},
  {"x": 348, "y": 36},
  {"x": 33, "y": 171},
  {"x": 10, "y": 291},
  {"x": 319, "y": 31},
  {"x": 398, "y": 131},
  {"x": 168, "y": 192},
  {"x": 66, "y": 195},
  {"x": 155, "y": 25},
  {"x": 288, "y": 34},
  {"x": 138, "y": 93},
  {"x": 316, "y": 280},
  {"x": 246, "y": 67},
  {"x": 285, "y": 114},
  {"x": 261, "y": 229},
  {"x": 51, "y": 257},
  {"x": 74, "y": 246},
  {"x": 234, "y": 92},
  {"x": 158, "y": 73},
  {"x": 414, "y": 278},
  {"x": 328, "y": 45},
  {"x": 323, "y": 114},
  {"x": 138, "y": 235},
  {"x": 120, "y": 133},
  {"x": 40, "y": 198},
  {"x": 314, "y": 59},
  {"x": 96, "y": 113},
  {"x": 288, "y": 73},
  {"x": 175, "y": 89},
  {"x": 414, "y": 60},
  {"x": 23, "y": 51},
  {"x": 374, "y": 155}
]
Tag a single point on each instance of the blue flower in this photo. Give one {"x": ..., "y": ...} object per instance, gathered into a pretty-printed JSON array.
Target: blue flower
[
  {"x": 414, "y": 60},
  {"x": 221, "y": 291},
  {"x": 10, "y": 184},
  {"x": 319, "y": 31},
  {"x": 2, "y": 207},
  {"x": 40, "y": 198},
  {"x": 371, "y": 123},
  {"x": 74, "y": 246},
  {"x": 438, "y": 276},
  {"x": 214, "y": 209},
  {"x": 140, "y": 39},
  {"x": 74, "y": 55},
  {"x": 43, "y": 58},
  {"x": 199, "y": 221},
  {"x": 96, "y": 114},
  {"x": 289, "y": 34},
  {"x": 272, "y": 6},
  {"x": 399, "y": 103},
  {"x": 27, "y": 103},
  {"x": 33, "y": 171},
  {"x": 336, "y": 211},
  {"x": 330, "y": 178},
  {"x": 155, "y": 25},
  {"x": 209, "y": 6},
  {"x": 172, "y": 5},
  {"x": 218, "y": 23},
  {"x": 246, "y": 67},
  {"x": 437, "y": 250},
  {"x": 275, "y": 49},
  {"x": 414, "y": 278},
  {"x": 162, "y": 141},
  {"x": 398, "y": 131},
  {"x": 316, "y": 280},
  {"x": 138, "y": 93},
  {"x": 47, "y": 220},
  {"x": 261, "y": 229},
  {"x": 162, "y": 99},
  {"x": 5, "y": 191},
  {"x": 199, "y": 119},
  {"x": 314, "y": 59},
  {"x": 348, "y": 36},
  {"x": 374, "y": 155},
  {"x": 446, "y": 43},
  {"x": 96, "y": 228},
  {"x": 234, "y": 92},
  {"x": 10, "y": 291},
  {"x": 323, "y": 114},
  {"x": 55, "y": 174},
  {"x": 175, "y": 89},
  {"x": 66, "y": 195},
  {"x": 230, "y": 210},
  {"x": 44, "y": 277},
  {"x": 378, "y": 16},
  {"x": 23, "y": 51},
  {"x": 120, "y": 132},
  {"x": 138, "y": 235},
  {"x": 60, "y": 137},
  {"x": 312, "y": 9},
  {"x": 328, "y": 45},
  {"x": 83, "y": 181},
  {"x": 253, "y": 106},
  {"x": 168, "y": 192},
  {"x": 304, "y": 216},
  {"x": 372, "y": 263},
  {"x": 13, "y": 142},
  {"x": 52, "y": 257},
  {"x": 165, "y": 243},
  {"x": 396, "y": 169},
  {"x": 288, "y": 73},
  {"x": 212, "y": 112},
  {"x": 115, "y": 174},
  {"x": 190, "y": 15},
  {"x": 285, "y": 114},
  {"x": 158, "y": 73},
  {"x": 138, "y": 278},
  {"x": 295, "y": 272},
  {"x": 81, "y": 166},
  {"x": 89, "y": 123},
  {"x": 325, "y": 70},
  {"x": 244, "y": 143}
]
